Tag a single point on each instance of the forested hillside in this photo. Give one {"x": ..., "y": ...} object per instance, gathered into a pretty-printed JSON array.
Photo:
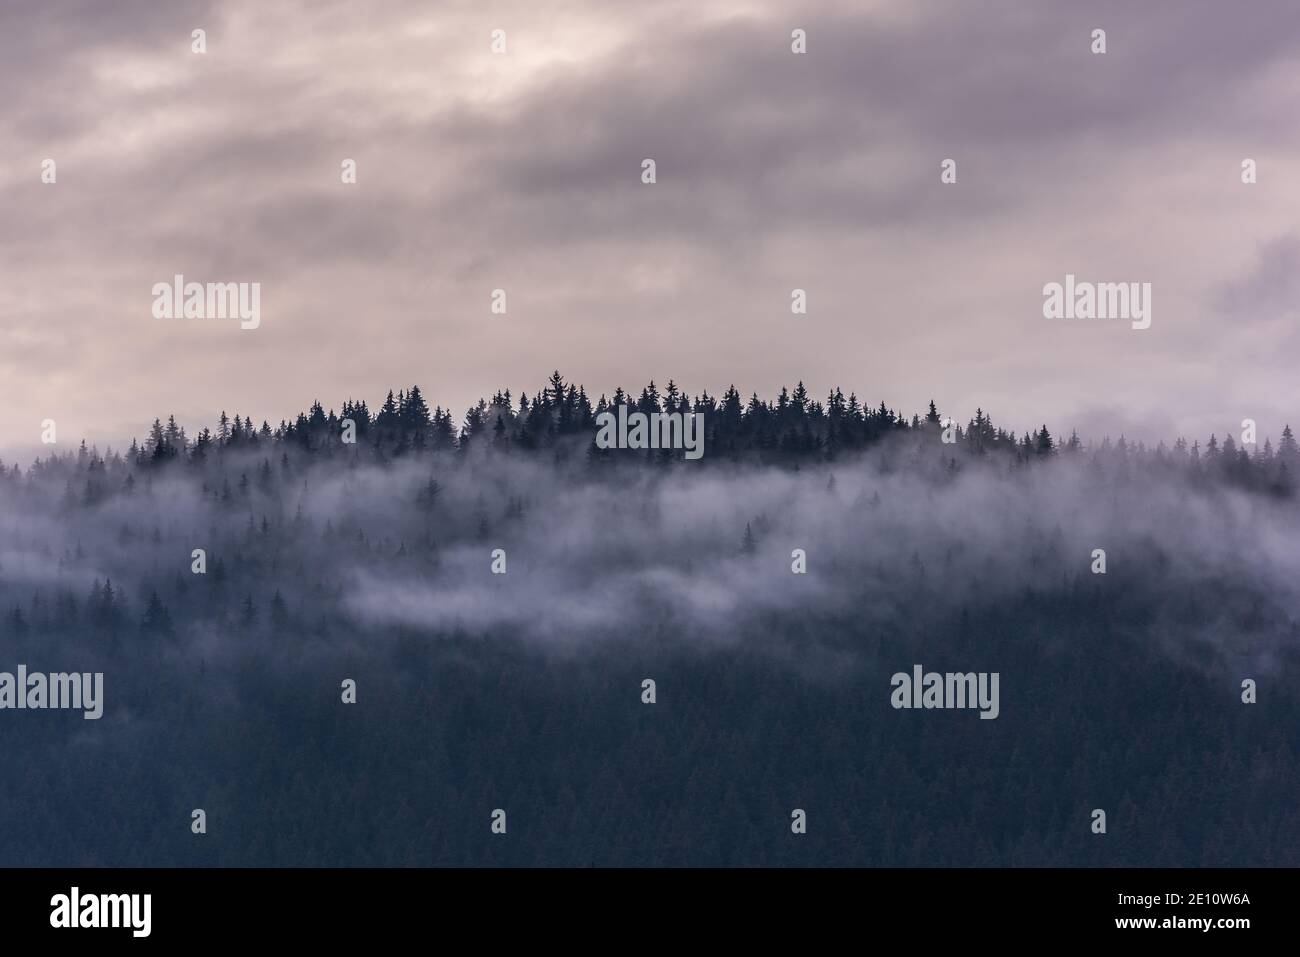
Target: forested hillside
[{"x": 499, "y": 589}]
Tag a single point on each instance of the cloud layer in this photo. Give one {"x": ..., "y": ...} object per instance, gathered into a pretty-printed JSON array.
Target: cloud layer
[{"x": 521, "y": 171}]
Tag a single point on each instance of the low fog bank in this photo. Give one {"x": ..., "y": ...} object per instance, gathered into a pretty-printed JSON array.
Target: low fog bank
[{"x": 900, "y": 538}]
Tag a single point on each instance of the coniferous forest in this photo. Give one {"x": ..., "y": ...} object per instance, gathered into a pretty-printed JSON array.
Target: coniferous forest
[{"x": 500, "y": 589}]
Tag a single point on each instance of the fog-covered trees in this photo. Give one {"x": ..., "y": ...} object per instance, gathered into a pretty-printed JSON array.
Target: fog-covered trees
[{"x": 227, "y": 585}]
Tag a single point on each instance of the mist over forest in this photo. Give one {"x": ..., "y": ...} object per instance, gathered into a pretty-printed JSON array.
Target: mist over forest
[{"x": 499, "y": 587}]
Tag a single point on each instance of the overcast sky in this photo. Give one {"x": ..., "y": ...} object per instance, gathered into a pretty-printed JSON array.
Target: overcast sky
[{"x": 522, "y": 171}]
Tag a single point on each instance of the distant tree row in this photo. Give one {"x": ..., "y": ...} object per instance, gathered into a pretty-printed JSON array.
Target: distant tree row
[{"x": 792, "y": 428}]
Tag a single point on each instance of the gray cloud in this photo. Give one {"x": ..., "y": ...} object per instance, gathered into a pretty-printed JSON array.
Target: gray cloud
[{"x": 522, "y": 172}]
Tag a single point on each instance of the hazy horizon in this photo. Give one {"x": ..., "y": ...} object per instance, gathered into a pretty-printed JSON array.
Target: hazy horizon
[{"x": 24, "y": 454}]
